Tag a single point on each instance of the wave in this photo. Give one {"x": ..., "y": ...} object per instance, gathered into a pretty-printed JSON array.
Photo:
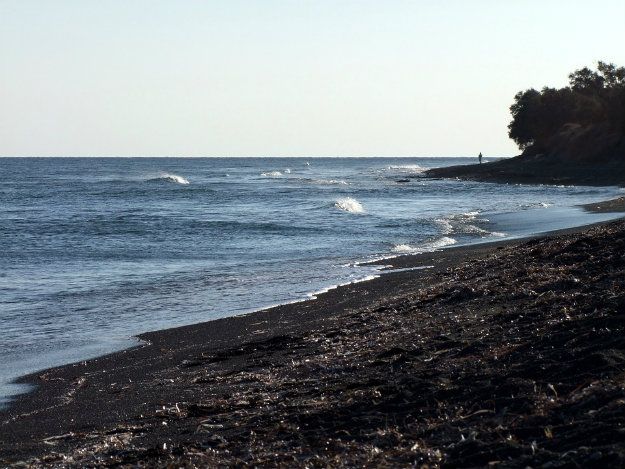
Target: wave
[
  {"x": 327, "y": 182},
  {"x": 167, "y": 177},
  {"x": 320, "y": 182},
  {"x": 315, "y": 294},
  {"x": 271, "y": 174},
  {"x": 536, "y": 205},
  {"x": 474, "y": 229},
  {"x": 407, "y": 168},
  {"x": 467, "y": 223},
  {"x": 451, "y": 223},
  {"x": 426, "y": 247},
  {"x": 403, "y": 248},
  {"x": 445, "y": 225},
  {"x": 441, "y": 242},
  {"x": 349, "y": 204}
]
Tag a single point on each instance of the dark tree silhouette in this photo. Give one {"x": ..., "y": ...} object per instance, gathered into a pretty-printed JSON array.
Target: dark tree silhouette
[{"x": 592, "y": 98}]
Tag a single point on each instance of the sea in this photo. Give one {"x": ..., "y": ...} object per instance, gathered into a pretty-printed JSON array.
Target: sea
[{"x": 96, "y": 250}]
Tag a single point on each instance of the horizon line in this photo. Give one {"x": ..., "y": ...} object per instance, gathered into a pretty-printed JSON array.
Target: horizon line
[{"x": 248, "y": 156}]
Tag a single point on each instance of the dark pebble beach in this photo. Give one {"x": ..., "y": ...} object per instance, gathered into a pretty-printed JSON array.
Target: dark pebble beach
[{"x": 508, "y": 354}]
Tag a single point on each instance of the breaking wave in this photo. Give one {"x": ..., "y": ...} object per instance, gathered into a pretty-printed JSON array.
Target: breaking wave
[
  {"x": 320, "y": 182},
  {"x": 474, "y": 229},
  {"x": 170, "y": 178},
  {"x": 426, "y": 247},
  {"x": 407, "y": 168},
  {"x": 349, "y": 204},
  {"x": 403, "y": 248},
  {"x": 328, "y": 182},
  {"x": 445, "y": 225},
  {"x": 468, "y": 223},
  {"x": 271, "y": 174},
  {"x": 441, "y": 242},
  {"x": 536, "y": 205}
]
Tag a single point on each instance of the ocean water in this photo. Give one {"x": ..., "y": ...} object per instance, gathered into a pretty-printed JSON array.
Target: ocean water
[{"x": 95, "y": 250}]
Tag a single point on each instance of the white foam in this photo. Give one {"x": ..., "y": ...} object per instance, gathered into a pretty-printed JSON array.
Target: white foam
[
  {"x": 313, "y": 295},
  {"x": 464, "y": 223},
  {"x": 445, "y": 225},
  {"x": 348, "y": 204},
  {"x": 329, "y": 182},
  {"x": 464, "y": 216},
  {"x": 407, "y": 168},
  {"x": 376, "y": 259},
  {"x": 441, "y": 242},
  {"x": 403, "y": 248},
  {"x": 426, "y": 247},
  {"x": 287, "y": 171},
  {"x": 271, "y": 174},
  {"x": 536, "y": 205},
  {"x": 172, "y": 178},
  {"x": 472, "y": 229}
]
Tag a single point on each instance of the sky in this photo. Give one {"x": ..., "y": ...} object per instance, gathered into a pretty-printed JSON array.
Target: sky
[{"x": 285, "y": 78}]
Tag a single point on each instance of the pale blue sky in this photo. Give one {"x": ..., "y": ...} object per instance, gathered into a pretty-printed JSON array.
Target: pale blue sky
[{"x": 300, "y": 78}]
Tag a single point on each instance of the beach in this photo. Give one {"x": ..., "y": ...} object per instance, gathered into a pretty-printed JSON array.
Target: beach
[
  {"x": 507, "y": 353},
  {"x": 312, "y": 234},
  {"x": 122, "y": 246}
]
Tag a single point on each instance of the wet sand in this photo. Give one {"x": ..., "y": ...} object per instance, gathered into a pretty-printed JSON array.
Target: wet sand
[{"x": 510, "y": 354}]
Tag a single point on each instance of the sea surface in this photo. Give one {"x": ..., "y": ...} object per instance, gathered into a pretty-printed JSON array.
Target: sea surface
[{"x": 96, "y": 250}]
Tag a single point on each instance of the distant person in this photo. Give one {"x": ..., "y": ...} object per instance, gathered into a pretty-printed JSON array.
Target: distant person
[{"x": 480, "y": 157}]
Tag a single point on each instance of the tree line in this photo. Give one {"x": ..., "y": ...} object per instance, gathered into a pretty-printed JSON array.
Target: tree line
[{"x": 592, "y": 97}]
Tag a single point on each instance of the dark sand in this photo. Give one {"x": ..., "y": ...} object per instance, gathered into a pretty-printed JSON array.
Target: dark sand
[
  {"x": 510, "y": 354},
  {"x": 607, "y": 206}
]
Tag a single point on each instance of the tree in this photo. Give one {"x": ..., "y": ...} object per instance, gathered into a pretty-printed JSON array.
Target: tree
[
  {"x": 524, "y": 115},
  {"x": 613, "y": 76},
  {"x": 592, "y": 97},
  {"x": 586, "y": 81}
]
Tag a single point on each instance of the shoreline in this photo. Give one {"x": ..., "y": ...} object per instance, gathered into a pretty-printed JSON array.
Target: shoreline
[
  {"x": 606, "y": 206},
  {"x": 403, "y": 260},
  {"x": 536, "y": 170},
  {"x": 391, "y": 264},
  {"x": 388, "y": 265},
  {"x": 73, "y": 389}
]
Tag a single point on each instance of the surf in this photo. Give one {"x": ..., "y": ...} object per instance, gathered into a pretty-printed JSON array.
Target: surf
[
  {"x": 349, "y": 204},
  {"x": 168, "y": 177}
]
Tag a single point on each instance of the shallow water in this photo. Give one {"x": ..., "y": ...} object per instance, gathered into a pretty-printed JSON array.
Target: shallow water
[{"x": 93, "y": 251}]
